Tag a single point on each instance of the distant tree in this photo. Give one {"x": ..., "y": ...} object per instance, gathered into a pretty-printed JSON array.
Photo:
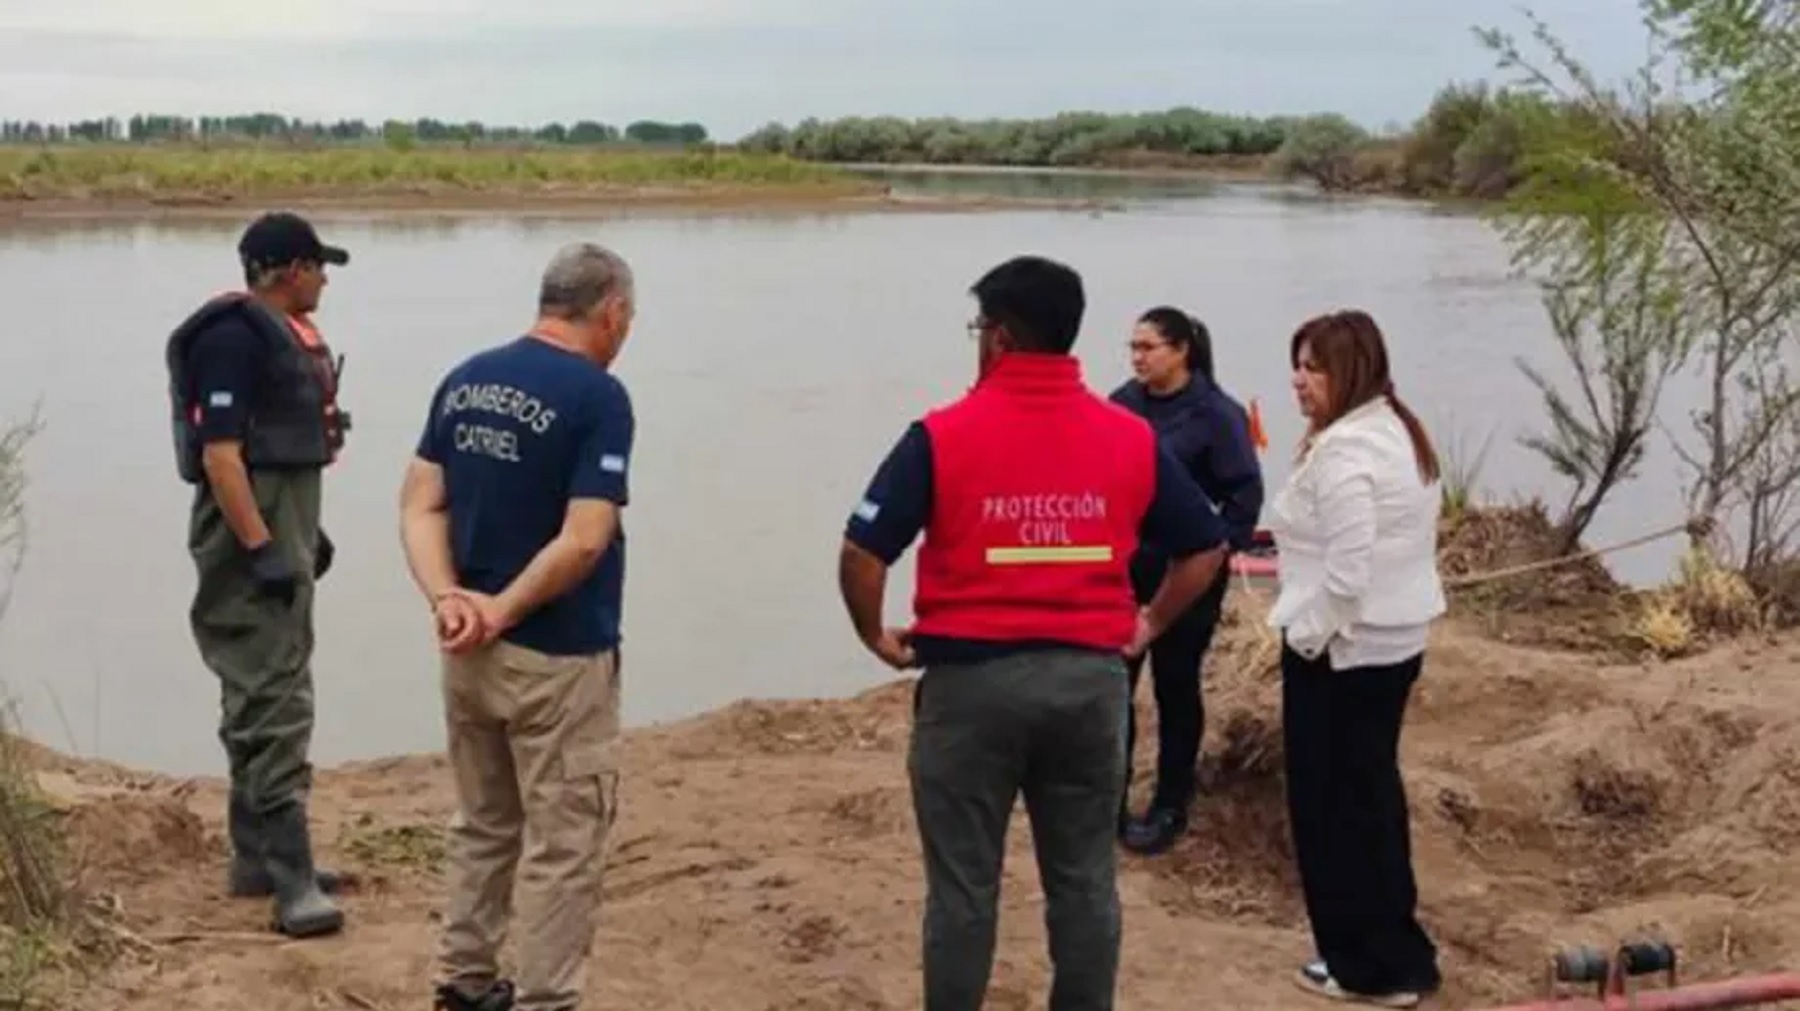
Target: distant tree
[{"x": 1323, "y": 148}]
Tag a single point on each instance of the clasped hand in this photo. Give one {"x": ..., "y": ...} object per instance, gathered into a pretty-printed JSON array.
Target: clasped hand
[{"x": 468, "y": 620}]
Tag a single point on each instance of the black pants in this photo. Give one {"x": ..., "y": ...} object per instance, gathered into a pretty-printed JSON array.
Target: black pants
[
  {"x": 1348, "y": 811},
  {"x": 1175, "y": 660},
  {"x": 1050, "y": 725}
]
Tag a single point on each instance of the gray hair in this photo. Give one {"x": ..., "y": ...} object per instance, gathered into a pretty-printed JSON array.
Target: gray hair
[{"x": 580, "y": 276}]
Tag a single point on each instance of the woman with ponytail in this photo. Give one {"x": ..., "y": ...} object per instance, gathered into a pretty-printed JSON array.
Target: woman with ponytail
[
  {"x": 1356, "y": 531},
  {"x": 1210, "y": 434}
]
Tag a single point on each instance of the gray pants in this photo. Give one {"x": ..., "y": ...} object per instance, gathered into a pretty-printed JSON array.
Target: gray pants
[{"x": 1050, "y": 724}]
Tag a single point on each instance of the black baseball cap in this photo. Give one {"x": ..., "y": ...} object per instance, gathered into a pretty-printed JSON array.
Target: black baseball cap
[{"x": 280, "y": 238}]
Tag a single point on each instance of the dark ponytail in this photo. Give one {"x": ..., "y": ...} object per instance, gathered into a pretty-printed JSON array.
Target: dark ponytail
[
  {"x": 1185, "y": 332},
  {"x": 1200, "y": 350}
]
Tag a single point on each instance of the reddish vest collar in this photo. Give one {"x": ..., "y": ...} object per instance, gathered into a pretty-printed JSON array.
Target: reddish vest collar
[{"x": 1027, "y": 374}]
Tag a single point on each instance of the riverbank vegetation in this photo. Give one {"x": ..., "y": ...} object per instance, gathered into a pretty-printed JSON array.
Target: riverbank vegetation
[
  {"x": 46, "y": 935},
  {"x": 191, "y": 171},
  {"x": 1470, "y": 142},
  {"x": 1466, "y": 144},
  {"x": 1664, "y": 232}
]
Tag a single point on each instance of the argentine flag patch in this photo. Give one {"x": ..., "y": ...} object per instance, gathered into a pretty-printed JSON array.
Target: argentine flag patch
[
  {"x": 867, "y": 511},
  {"x": 219, "y": 398},
  {"x": 612, "y": 463}
]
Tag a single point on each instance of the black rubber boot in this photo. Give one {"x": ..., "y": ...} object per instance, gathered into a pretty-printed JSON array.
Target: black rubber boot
[
  {"x": 249, "y": 877},
  {"x": 301, "y": 908},
  {"x": 498, "y": 997}
]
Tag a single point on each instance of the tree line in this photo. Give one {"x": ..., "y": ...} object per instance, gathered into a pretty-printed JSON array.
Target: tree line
[
  {"x": 1467, "y": 143},
  {"x": 1067, "y": 139},
  {"x": 146, "y": 128}
]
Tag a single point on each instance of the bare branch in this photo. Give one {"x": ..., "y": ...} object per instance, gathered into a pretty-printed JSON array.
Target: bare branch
[{"x": 13, "y": 539}]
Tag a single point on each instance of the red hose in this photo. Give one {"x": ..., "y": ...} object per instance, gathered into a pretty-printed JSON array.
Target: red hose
[{"x": 1746, "y": 992}]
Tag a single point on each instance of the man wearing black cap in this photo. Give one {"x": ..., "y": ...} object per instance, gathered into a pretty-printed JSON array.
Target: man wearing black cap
[{"x": 253, "y": 393}]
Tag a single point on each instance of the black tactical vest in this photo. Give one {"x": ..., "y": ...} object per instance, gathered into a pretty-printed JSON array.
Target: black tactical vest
[{"x": 294, "y": 420}]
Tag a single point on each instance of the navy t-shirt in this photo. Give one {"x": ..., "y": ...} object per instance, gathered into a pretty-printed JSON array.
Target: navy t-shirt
[
  {"x": 519, "y": 430},
  {"x": 897, "y": 505}
]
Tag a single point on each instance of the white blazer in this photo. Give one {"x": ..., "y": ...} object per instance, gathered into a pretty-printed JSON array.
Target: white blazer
[{"x": 1356, "y": 536}]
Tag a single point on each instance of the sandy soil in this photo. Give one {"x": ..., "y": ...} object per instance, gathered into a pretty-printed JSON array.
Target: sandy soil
[
  {"x": 766, "y": 860},
  {"x": 563, "y": 202}
]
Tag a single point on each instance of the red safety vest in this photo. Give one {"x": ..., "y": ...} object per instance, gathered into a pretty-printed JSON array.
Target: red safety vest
[
  {"x": 1039, "y": 488},
  {"x": 326, "y": 368}
]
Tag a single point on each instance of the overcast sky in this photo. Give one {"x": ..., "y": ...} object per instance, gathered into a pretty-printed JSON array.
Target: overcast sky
[{"x": 735, "y": 64}]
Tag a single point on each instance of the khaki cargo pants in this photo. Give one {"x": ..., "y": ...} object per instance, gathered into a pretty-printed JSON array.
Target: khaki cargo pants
[{"x": 533, "y": 748}]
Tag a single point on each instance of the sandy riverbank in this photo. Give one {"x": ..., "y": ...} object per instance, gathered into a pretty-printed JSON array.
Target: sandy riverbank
[
  {"x": 591, "y": 203},
  {"x": 1556, "y": 802},
  {"x": 766, "y": 858}
]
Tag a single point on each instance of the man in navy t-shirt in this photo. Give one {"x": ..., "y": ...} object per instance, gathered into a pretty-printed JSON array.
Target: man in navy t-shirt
[{"x": 511, "y": 522}]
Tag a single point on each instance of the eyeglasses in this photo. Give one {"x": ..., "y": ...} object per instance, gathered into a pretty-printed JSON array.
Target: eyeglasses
[{"x": 1145, "y": 347}]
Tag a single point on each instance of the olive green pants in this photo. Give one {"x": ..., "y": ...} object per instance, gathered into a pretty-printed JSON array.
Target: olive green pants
[{"x": 260, "y": 649}]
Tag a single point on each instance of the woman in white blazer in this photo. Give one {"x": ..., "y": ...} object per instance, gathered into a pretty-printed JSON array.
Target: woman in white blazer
[{"x": 1356, "y": 531}]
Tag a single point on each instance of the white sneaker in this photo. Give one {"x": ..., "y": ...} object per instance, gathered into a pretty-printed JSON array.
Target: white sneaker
[{"x": 1316, "y": 979}]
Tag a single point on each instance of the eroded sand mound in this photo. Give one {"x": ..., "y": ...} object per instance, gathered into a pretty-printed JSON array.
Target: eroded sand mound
[
  {"x": 1555, "y": 801},
  {"x": 766, "y": 859},
  {"x": 1575, "y": 605}
]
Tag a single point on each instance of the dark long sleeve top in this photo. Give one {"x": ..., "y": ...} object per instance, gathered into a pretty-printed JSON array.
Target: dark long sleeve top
[{"x": 1208, "y": 432}]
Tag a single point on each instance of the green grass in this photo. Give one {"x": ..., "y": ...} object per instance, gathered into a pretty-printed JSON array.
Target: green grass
[
  {"x": 80, "y": 170},
  {"x": 41, "y": 909},
  {"x": 1461, "y": 477}
]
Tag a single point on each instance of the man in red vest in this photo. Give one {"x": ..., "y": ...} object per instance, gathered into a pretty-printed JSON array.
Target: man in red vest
[{"x": 1032, "y": 492}]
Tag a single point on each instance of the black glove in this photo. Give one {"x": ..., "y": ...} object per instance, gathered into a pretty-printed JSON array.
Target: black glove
[
  {"x": 323, "y": 552},
  {"x": 275, "y": 578}
]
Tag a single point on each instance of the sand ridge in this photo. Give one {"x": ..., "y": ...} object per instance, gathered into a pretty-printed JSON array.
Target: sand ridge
[{"x": 765, "y": 858}]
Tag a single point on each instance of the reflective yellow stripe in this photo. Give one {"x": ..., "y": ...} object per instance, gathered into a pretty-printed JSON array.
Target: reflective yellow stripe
[{"x": 1073, "y": 553}]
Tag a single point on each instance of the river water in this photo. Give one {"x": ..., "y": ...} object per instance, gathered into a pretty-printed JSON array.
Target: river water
[{"x": 775, "y": 359}]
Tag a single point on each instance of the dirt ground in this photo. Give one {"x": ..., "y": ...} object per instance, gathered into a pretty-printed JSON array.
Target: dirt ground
[{"x": 765, "y": 859}]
